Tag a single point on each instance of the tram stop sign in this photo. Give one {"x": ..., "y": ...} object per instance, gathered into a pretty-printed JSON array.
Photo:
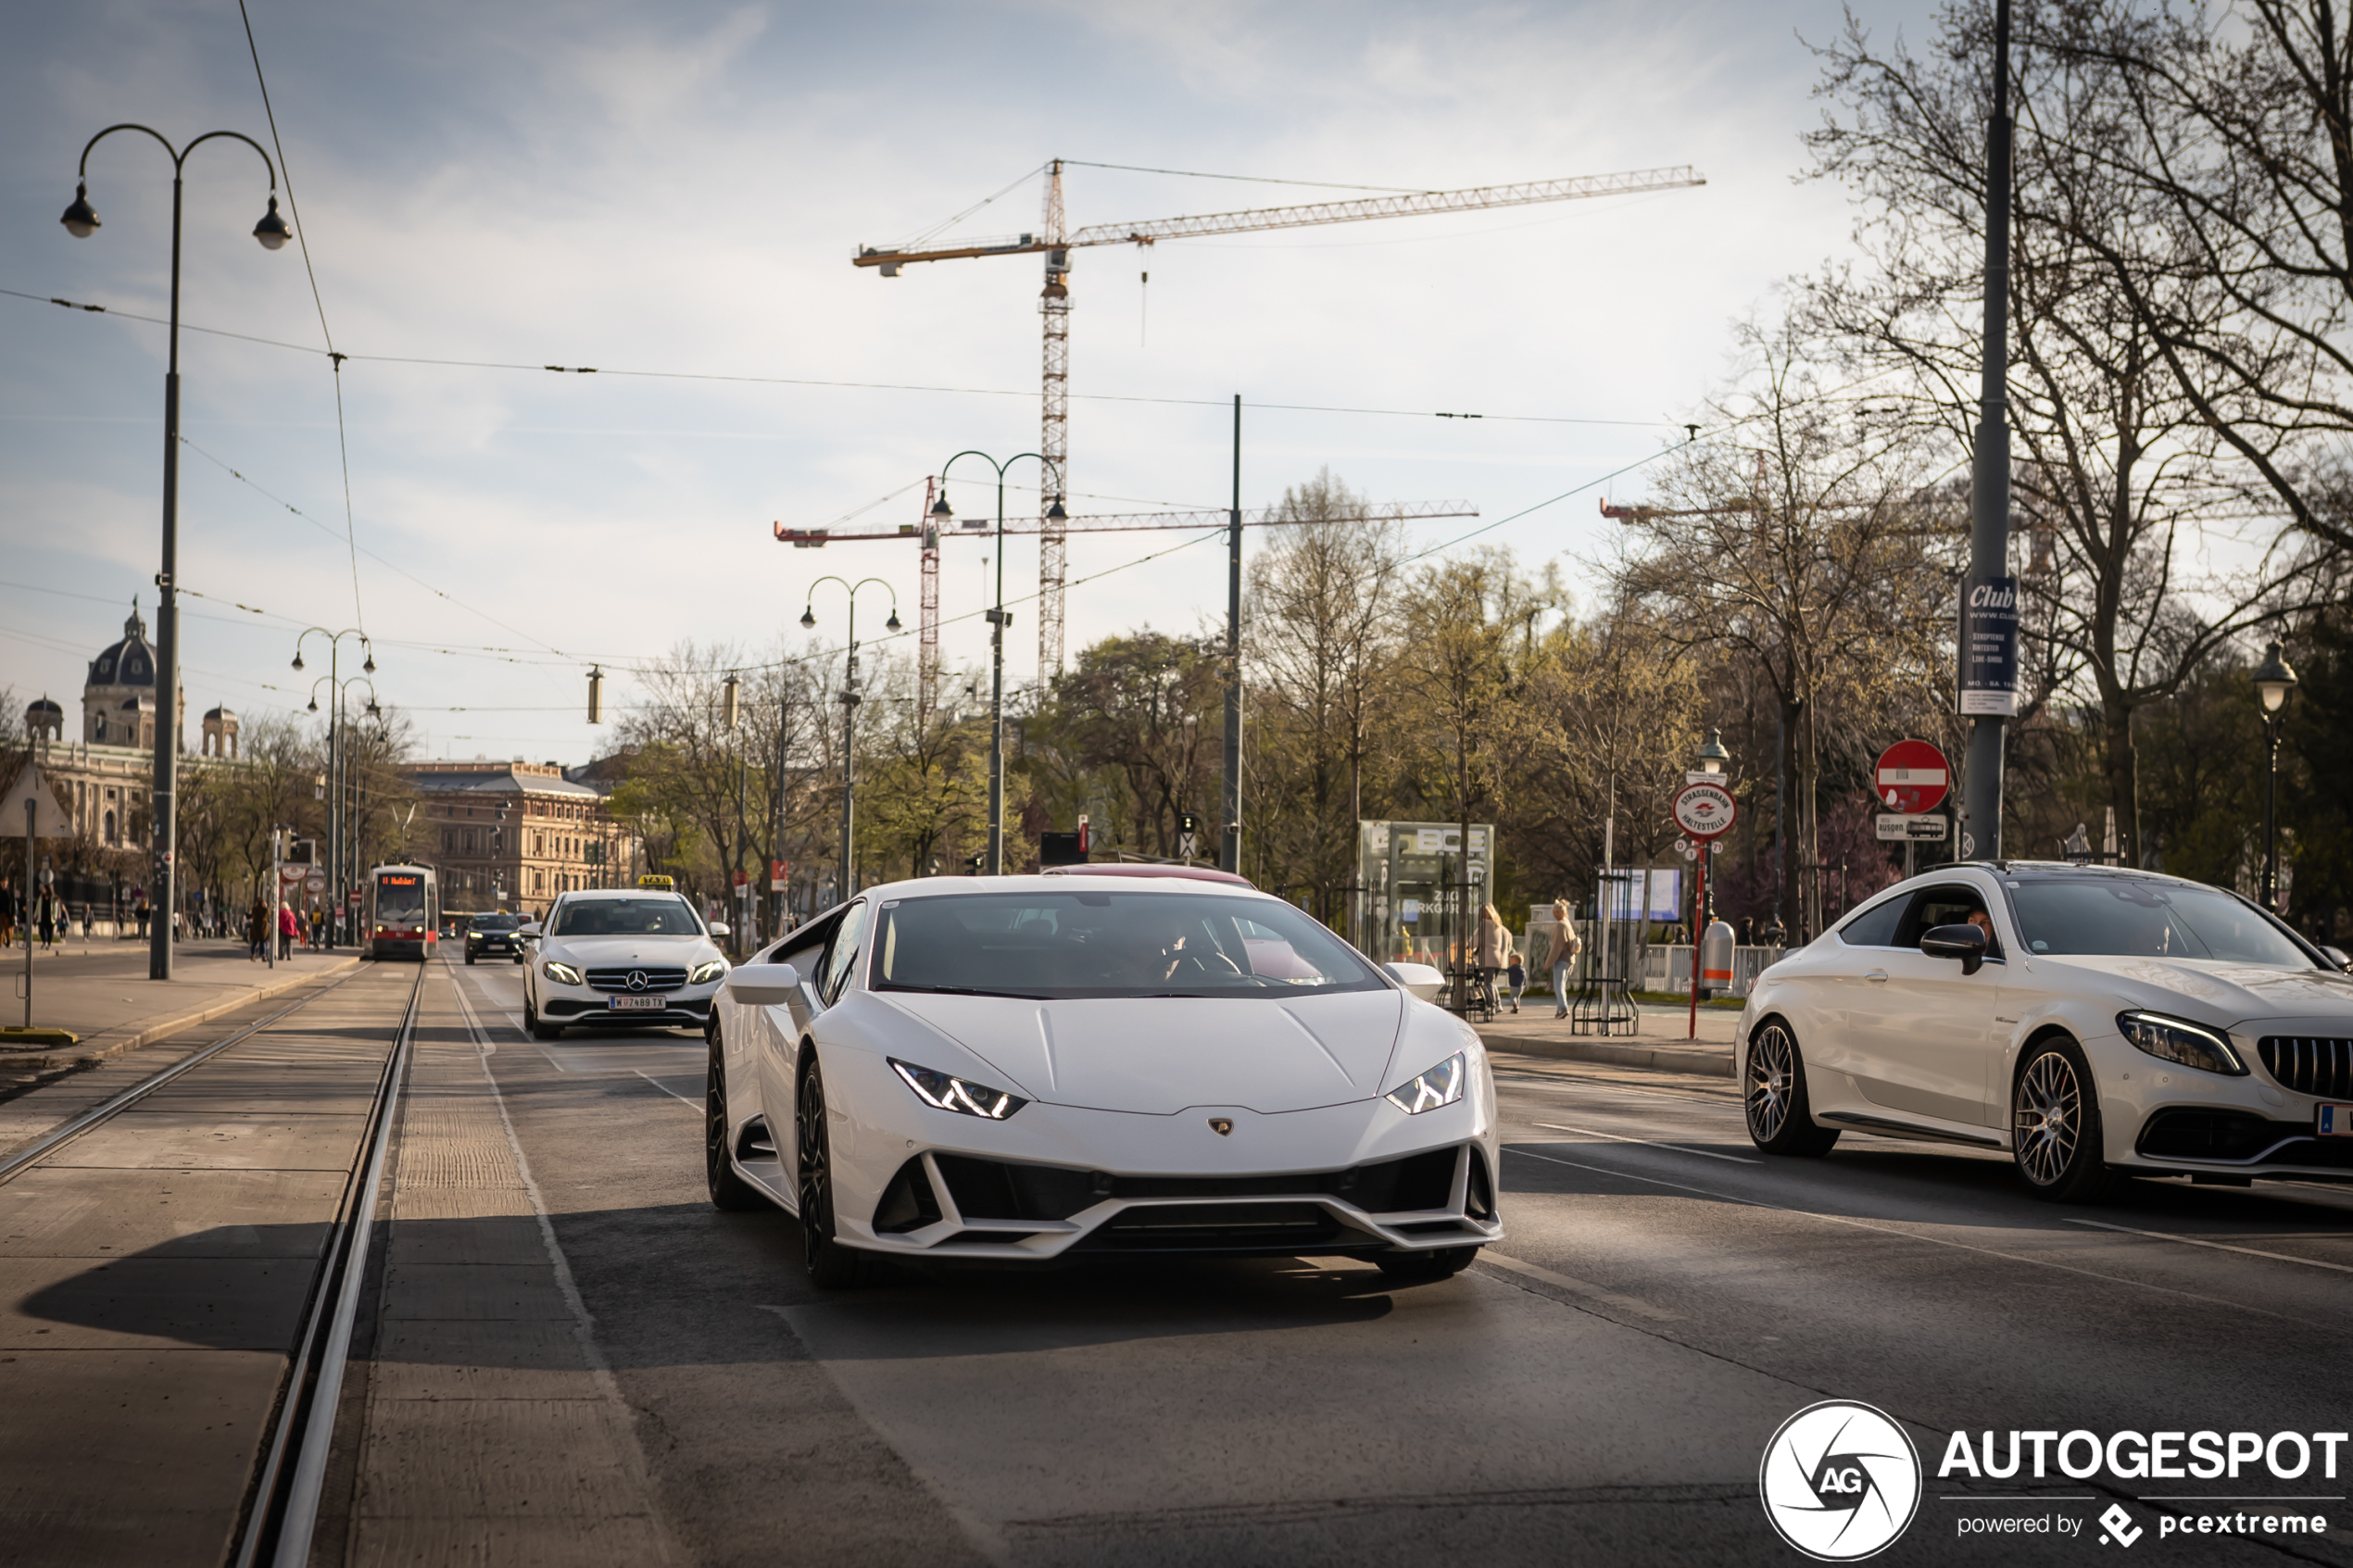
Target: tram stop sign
[
  {"x": 1912, "y": 777},
  {"x": 1704, "y": 811}
]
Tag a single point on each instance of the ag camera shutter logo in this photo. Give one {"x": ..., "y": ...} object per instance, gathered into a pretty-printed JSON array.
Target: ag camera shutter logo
[{"x": 1840, "y": 1481}]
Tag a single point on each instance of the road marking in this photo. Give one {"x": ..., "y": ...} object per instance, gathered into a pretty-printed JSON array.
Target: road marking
[
  {"x": 1578, "y": 1286},
  {"x": 1646, "y": 1143},
  {"x": 1899, "y": 1234},
  {"x": 2217, "y": 1246},
  {"x": 665, "y": 1088}
]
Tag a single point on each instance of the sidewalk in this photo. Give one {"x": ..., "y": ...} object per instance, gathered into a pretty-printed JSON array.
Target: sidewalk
[
  {"x": 1661, "y": 1042},
  {"x": 101, "y": 993}
]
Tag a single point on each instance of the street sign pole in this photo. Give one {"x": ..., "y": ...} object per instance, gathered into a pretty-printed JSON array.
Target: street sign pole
[
  {"x": 25, "y": 902},
  {"x": 1985, "y": 712},
  {"x": 1705, "y": 810}
]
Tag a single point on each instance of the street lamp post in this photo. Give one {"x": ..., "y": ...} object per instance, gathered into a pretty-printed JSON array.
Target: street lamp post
[
  {"x": 850, "y": 700},
  {"x": 997, "y": 620},
  {"x": 336, "y": 708},
  {"x": 82, "y": 221},
  {"x": 2274, "y": 681}
]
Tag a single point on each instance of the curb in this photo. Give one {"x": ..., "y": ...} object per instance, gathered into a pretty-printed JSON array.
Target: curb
[
  {"x": 35, "y": 1066},
  {"x": 1658, "y": 1059}
]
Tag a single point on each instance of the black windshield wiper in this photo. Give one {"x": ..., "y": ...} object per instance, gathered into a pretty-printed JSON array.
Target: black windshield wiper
[{"x": 962, "y": 991}]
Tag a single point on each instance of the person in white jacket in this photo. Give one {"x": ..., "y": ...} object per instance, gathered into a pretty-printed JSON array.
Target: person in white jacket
[{"x": 1567, "y": 946}]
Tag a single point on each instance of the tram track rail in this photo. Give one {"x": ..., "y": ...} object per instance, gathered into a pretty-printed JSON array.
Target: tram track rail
[{"x": 279, "y": 1513}]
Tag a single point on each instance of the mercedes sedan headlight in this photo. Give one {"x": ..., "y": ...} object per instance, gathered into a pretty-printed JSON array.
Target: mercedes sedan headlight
[
  {"x": 1442, "y": 1085},
  {"x": 562, "y": 974},
  {"x": 962, "y": 1095},
  {"x": 711, "y": 971},
  {"x": 2189, "y": 1045}
]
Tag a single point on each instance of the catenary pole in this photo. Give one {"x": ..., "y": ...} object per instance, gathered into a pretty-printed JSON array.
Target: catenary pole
[
  {"x": 1990, "y": 486},
  {"x": 1231, "y": 849}
]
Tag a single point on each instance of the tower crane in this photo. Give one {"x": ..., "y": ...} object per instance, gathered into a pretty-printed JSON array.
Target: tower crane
[{"x": 1055, "y": 241}]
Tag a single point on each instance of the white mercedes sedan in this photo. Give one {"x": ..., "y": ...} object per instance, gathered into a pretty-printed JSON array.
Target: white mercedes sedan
[
  {"x": 1025, "y": 1068},
  {"x": 615, "y": 956},
  {"x": 2091, "y": 1022}
]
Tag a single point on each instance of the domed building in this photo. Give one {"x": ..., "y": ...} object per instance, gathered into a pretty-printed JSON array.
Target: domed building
[{"x": 118, "y": 699}]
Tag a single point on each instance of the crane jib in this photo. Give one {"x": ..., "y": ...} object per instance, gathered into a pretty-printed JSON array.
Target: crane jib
[{"x": 1419, "y": 203}]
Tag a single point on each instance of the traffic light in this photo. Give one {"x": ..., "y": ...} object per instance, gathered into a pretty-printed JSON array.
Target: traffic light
[
  {"x": 1188, "y": 823},
  {"x": 973, "y": 864}
]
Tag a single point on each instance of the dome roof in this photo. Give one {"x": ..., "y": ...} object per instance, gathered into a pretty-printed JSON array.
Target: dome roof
[
  {"x": 219, "y": 713},
  {"x": 41, "y": 705},
  {"x": 131, "y": 662}
]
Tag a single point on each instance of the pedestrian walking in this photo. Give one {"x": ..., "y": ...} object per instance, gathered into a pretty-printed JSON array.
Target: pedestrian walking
[
  {"x": 1494, "y": 946},
  {"x": 8, "y": 913},
  {"x": 257, "y": 932},
  {"x": 318, "y": 930},
  {"x": 48, "y": 905},
  {"x": 1567, "y": 946},
  {"x": 139, "y": 910},
  {"x": 287, "y": 931}
]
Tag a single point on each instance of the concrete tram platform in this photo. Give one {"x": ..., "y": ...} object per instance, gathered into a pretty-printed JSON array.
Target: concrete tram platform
[{"x": 101, "y": 994}]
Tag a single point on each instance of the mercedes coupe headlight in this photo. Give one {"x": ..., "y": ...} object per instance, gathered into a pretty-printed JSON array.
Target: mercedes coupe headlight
[
  {"x": 562, "y": 974},
  {"x": 711, "y": 971},
  {"x": 2190, "y": 1044},
  {"x": 1442, "y": 1085},
  {"x": 960, "y": 1095}
]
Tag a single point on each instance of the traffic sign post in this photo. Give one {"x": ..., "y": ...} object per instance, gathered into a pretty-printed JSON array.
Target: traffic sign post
[
  {"x": 1912, "y": 777},
  {"x": 1705, "y": 810}
]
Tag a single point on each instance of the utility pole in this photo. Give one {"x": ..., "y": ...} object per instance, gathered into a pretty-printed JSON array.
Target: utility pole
[
  {"x": 1988, "y": 650},
  {"x": 1230, "y": 836}
]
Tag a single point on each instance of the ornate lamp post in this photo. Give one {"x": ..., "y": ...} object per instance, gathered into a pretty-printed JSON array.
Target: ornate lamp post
[
  {"x": 81, "y": 221},
  {"x": 997, "y": 620},
  {"x": 850, "y": 700},
  {"x": 2274, "y": 681}
]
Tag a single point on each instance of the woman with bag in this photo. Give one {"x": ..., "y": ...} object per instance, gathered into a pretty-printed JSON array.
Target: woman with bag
[{"x": 1494, "y": 948}]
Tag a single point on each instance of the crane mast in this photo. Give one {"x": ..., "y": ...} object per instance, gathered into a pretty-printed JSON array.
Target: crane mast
[
  {"x": 1055, "y": 241},
  {"x": 1054, "y": 435}
]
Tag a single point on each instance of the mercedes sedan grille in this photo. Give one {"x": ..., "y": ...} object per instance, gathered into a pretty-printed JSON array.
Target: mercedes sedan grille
[{"x": 2310, "y": 1064}]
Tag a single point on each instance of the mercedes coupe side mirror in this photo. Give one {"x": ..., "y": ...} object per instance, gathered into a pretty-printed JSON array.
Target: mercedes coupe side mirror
[
  {"x": 1966, "y": 942},
  {"x": 721, "y": 928},
  {"x": 2337, "y": 956},
  {"x": 764, "y": 984}
]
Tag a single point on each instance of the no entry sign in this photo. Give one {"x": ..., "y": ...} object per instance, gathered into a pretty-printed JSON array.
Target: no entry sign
[
  {"x": 1704, "y": 811},
  {"x": 1912, "y": 777}
]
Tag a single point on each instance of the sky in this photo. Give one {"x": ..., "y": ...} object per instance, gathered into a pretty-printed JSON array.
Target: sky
[{"x": 677, "y": 189}]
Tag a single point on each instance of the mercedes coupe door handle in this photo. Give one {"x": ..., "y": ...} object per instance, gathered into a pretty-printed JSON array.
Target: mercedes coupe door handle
[{"x": 1877, "y": 976}]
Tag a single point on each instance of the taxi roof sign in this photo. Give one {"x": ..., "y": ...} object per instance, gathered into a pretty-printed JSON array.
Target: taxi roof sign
[{"x": 664, "y": 883}]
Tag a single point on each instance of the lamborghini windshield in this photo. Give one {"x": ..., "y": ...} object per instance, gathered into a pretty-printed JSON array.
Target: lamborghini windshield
[{"x": 1056, "y": 945}]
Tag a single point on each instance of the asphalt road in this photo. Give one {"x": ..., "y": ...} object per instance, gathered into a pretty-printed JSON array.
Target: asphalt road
[
  {"x": 1598, "y": 1390},
  {"x": 570, "y": 1357}
]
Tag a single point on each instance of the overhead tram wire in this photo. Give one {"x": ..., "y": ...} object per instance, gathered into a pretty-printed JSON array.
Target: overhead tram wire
[
  {"x": 1222, "y": 403},
  {"x": 302, "y": 239}
]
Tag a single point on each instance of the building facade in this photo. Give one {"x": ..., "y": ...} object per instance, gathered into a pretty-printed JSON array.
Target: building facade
[{"x": 511, "y": 835}]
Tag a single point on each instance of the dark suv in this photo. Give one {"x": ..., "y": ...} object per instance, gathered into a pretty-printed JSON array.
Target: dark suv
[{"x": 494, "y": 934}]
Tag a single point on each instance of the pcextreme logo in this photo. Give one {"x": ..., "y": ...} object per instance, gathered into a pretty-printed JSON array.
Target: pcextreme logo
[{"x": 1840, "y": 1481}]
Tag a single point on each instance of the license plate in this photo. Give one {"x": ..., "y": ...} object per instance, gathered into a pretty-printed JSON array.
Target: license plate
[
  {"x": 636, "y": 1004},
  {"x": 2334, "y": 1120}
]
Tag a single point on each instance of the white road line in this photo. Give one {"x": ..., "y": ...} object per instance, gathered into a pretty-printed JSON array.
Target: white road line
[
  {"x": 1646, "y": 1143},
  {"x": 2217, "y": 1246},
  {"x": 665, "y": 1088},
  {"x": 1578, "y": 1286},
  {"x": 1900, "y": 1234}
]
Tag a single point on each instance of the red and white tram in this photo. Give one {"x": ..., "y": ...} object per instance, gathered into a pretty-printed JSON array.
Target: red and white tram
[{"x": 403, "y": 913}]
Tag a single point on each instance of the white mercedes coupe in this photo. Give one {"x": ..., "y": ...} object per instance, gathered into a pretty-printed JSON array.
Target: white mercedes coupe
[
  {"x": 1027, "y": 1067},
  {"x": 2091, "y": 1022}
]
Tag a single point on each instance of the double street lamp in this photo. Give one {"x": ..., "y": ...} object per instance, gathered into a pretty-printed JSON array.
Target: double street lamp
[
  {"x": 81, "y": 221},
  {"x": 942, "y": 514},
  {"x": 2274, "y": 681},
  {"x": 850, "y": 700},
  {"x": 337, "y": 707}
]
